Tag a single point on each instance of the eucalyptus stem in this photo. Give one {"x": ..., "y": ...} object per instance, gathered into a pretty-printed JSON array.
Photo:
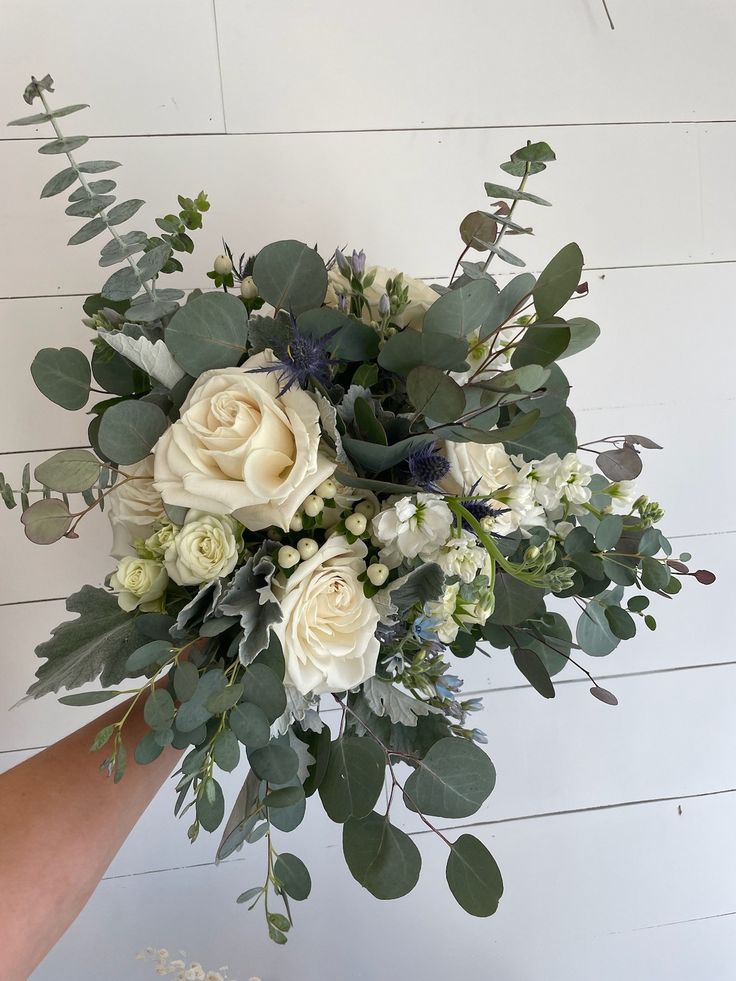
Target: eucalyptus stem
[
  {"x": 83, "y": 181},
  {"x": 501, "y": 234}
]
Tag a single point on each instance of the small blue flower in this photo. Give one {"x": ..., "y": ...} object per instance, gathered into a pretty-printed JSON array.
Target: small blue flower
[
  {"x": 447, "y": 685},
  {"x": 358, "y": 263},
  {"x": 479, "y": 736}
]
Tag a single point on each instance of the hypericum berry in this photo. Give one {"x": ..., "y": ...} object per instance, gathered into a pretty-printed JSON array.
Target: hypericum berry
[
  {"x": 223, "y": 265},
  {"x": 366, "y": 508},
  {"x": 377, "y": 573},
  {"x": 248, "y": 288},
  {"x": 356, "y": 524},
  {"x": 313, "y": 505},
  {"x": 327, "y": 489},
  {"x": 288, "y": 557},
  {"x": 307, "y": 547},
  {"x": 296, "y": 523}
]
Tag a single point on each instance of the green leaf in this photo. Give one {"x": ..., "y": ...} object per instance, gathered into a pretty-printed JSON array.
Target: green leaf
[
  {"x": 59, "y": 182},
  {"x": 558, "y": 281},
  {"x": 551, "y": 434},
  {"x": 65, "y": 144},
  {"x": 473, "y": 876},
  {"x": 534, "y": 670},
  {"x": 290, "y": 276},
  {"x": 276, "y": 763},
  {"x": 263, "y": 688},
  {"x": 354, "y": 778},
  {"x": 223, "y": 700},
  {"x": 409, "y": 348},
  {"x": 115, "y": 373},
  {"x": 101, "y": 738},
  {"x": 151, "y": 264},
  {"x": 368, "y": 425},
  {"x": 461, "y": 311},
  {"x": 654, "y": 574},
  {"x": 511, "y": 297},
  {"x": 452, "y": 780},
  {"x": 88, "y": 231},
  {"x": 93, "y": 187},
  {"x": 433, "y": 393},
  {"x": 583, "y": 333},
  {"x": 383, "y": 859},
  {"x": 593, "y": 633},
  {"x": 609, "y": 531},
  {"x": 97, "y": 166},
  {"x": 159, "y": 710},
  {"x": 209, "y": 332},
  {"x": 69, "y": 471},
  {"x": 535, "y": 152},
  {"x": 123, "y": 211},
  {"x": 293, "y": 875},
  {"x": 129, "y": 430},
  {"x": 186, "y": 679},
  {"x": 45, "y": 117},
  {"x": 148, "y": 749},
  {"x": 622, "y": 624},
  {"x": 122, "y": 285},
  {"x": 285, "y": 796},
  {"x": 89, "y": 205},
  {"x": 88, "y": 697},
  {"x": 226, "y": 751},
  {"x": 515, "y": 600},
  {"x": 63, "y": 375},
  {"x": 250, "y": 725},
  {"x": 210, "y": 809},
  {"x": 541, "y": 344},
  {"x": 97, "y": 643},
  {"x": 349, "y": 340},
  {"x": 376, "y": 457},
  {"x": 46, "y": 521},
  {"x": 156, "y": 652},
  {"x": 194, "y": 712},
  {"x": 511, "y": 194}
]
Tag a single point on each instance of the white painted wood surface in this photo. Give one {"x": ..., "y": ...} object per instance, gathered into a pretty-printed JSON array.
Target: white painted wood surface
[{"x": 377, "y": 126}]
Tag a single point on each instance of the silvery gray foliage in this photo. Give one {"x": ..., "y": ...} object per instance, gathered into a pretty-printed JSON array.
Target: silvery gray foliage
[
  {"x": 249, "y": 597},
  {"x": 301, "y": 709},
  {"x": 197, "y": 610},
  {"x": 422, "y": 585},
  {"x": 384, "y": 698}
]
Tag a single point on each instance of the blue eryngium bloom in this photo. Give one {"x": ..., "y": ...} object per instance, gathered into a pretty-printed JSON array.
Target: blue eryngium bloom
[
  {"x": 304, "y": 359},
  {"x": 427, "y": 467}
]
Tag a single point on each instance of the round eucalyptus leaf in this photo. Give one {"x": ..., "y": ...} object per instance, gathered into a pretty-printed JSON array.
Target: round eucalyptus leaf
[
  {"x": 593, "y": 633},
  {"x": 622, "y": 624},
  {"x": 534, "y": 670},
  {"x": 452, "y": 780},
  {"x": 159, "y": 710},
  {"x": 474, "y": 877},
  {"x": 603, "y": 695},
  {"x": 285, "y": 796},
  {"x": 409, "y": 348},
  {"x": 654, "y": 574},
  {"x": 433, "y": 393},
  {"x": 478, "y": 230},
  {"x": 345, "y": 337},
  {"x": 155, "y": 653},
  {"x": 354, "y": 778},
  {"x": 621, "y": 464},
  {"x": 609, "y": 531},
  {"x": 250, "y": 725},
  {"x": 583, "y": 333},
  {"x": 541, "y": 344},
  {"x": 148, "y": 749},
  {"x": 186, "y": 677},
  {"x": 461, "y": 311},
  {"x": 515, "y": 600},
  {"x": 558, "y": 281},
  {"x": 69, "y": 471},
  {"x": 550, "y": 434},
  {"x": 46, "y": 521},
  {"x": 129, "y": 430},
  {"x": 210, "y": 331},
  {"x": 290, "y": 276},
  {"x": 63, "y": 375},
  {"x": 293, "y": 875},
  {"x": 210, "y": 807},
  {"x": 263, "y": 688},
  {"x": 226, "y": 751},
  {"x": 275, "y": 763},
  {"x": 380, "y": 857}
]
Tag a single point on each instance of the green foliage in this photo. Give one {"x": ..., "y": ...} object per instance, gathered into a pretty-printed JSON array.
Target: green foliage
[
  {"x": 558, "y": 281},
  {"x": 409, "y": 349},
  {"x": 293, "y": 876},
  {"x": 461, "y": 311},
  {"x": 209, "y": 332},
  {"x": 354, "y": 777},
  {"x": 129, "y": 430},
  {"x": 473, "y": 876},
  {"x": 63, "y": 375},
  {"x": 290, "y": 276},
  {"x": 383, "y": 859},
  {"x": 46, "y": 521},
  {"x": 452, "y": 780},
  {"x": 69, "y": 471}
]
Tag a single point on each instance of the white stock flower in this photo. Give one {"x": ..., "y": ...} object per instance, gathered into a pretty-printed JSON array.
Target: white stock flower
[
  {"x": 133, "y": 507},
  {"x": 623, "y": 494},
  {"x": 573, "y": 478},
  {"x": 461, "y": 556},
  {"x": 139, "y": 583},
  {"x": 421, "y": 296},
  {"x": 205, "y": 548},
  {"x": 328, "y": 628},
  {"x": 412, "y": 528},
  {"x": 242, "y": 448}
]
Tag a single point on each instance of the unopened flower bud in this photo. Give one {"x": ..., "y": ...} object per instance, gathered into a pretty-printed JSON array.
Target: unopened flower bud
[
  {"x": 377, "y": 573},
  {"x": 531, "y": 553},
  {"x": 384, "y": 305},
  {"x": 327, "y": 489},
  {"x": 366, "y": 508},
  {"x": 223, "y": 265},
  {"x": 307, "y": 547},
  {"x": 288, "y": 557},
  {"x": 487, "y": 524},
  {"x": 356, "y": 523},
  {"x": 358, "y": 263},
  {"x": 342, "y": 263},
  {"x": 296, "y": 523},
  {"x": 248, "y": 288},
  {"x": 313, "y": 505}
]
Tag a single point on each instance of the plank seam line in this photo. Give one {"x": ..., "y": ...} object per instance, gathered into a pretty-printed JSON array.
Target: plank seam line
[
  {"x": 660, "y": 926},
  {"x": 468, "y": 127},
  {"x": 219, "y": 65},
  {"x": 524, "y": 817}
]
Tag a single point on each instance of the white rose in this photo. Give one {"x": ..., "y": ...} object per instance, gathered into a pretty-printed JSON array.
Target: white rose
[
  {"x": 482, "y": 467},
  {"x": 241, "y": 448},
  {"x": 328, "y": 628},
  {"x": 421, "y": 296},
  {"x": 139, "y": 583},
  {"x": 134, "y": 507},
  {"x": 205, "y": 548}
]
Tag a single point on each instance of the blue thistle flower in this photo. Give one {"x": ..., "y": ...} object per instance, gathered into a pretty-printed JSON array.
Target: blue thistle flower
[
  {"x": 304, "y": 359},
  {"x": 427, "y": 467},
  {"x": 480, "y": 509}
]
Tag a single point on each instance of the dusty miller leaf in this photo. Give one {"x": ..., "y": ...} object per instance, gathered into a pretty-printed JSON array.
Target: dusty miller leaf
[
  {"x": 383, "y": 698},
  {"x": 154, "y": 359}
]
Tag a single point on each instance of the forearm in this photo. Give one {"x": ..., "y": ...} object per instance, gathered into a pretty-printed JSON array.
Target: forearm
[{"x": 62, "y": 820}]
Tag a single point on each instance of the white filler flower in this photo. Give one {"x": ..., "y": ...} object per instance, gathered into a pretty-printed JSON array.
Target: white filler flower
[{"x": 412, "y": 527}]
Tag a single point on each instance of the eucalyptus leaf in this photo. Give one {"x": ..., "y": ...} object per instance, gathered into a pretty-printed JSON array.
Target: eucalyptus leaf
[
  {"x": 97, "y": 166},
  {"x": 474, "y": 877},
  {"x": 452, "y": 780},
  {"x": 209, "y": 332},
  {"x": 69, "y": 471},
  {"x": 123, "y": 211},
  {"x": 46, "y": 521},
  {"x": 558, "y": 281},
  {"x": 122, "y": 285},
  {"x": 293, "y": 875},
  {"x": 461, "y": 311},
  {"x": 409, "y": 348},
  {"x": 129, "y": 430},
  {"x": 88, "y": 231},
  {"x": 511, "y": 194},
  {"x": 552, "y": 434},
  {"x": 433, "y": 393},
  {"x": 290, "y": 276},
  {"x": 63, "y": 375},
  {"x": 354, "y": 778},
  {"x": 59, "y": 182},
  {"x": 65, "y": 144},
  {"x": 382, "y": 858}
]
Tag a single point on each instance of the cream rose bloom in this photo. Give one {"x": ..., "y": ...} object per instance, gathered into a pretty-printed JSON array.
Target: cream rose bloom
[
  {"x": 421, "y": 296},
  {"x": 139, "y": 583},
  {"x": 328, "y": 628},
  {"x": 134, "y": 507},
  {"x": 240, "y": 448},
  {"x": 485, "y": 466},
  {"x": 205, "y": 548}
]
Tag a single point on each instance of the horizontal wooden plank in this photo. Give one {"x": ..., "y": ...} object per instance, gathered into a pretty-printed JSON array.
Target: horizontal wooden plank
[
  {"x": 400, "y": 195},
  {"x": 135, "y": 70},
  {"x": 634, "y": 361},
  {"x": 577, "y": 884},
  {"x": 550, "y": 756},
  {"x": 427, "y": 63}
]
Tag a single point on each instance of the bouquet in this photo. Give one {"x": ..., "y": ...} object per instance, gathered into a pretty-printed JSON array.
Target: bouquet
[{"x": 328, "y": 483}]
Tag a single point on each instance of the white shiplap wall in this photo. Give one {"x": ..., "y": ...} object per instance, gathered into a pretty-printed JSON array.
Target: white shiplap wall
[{"x": 377, "y": 124}]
